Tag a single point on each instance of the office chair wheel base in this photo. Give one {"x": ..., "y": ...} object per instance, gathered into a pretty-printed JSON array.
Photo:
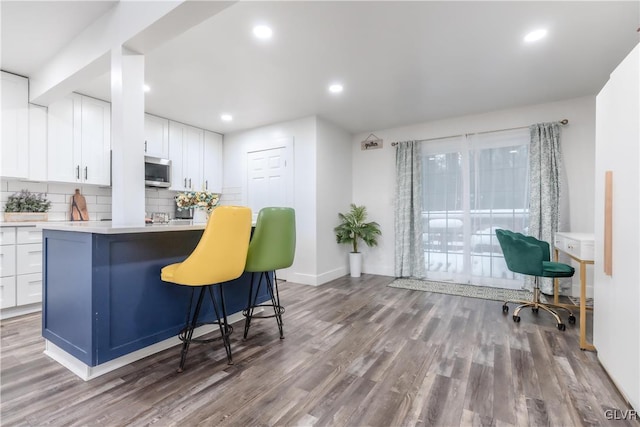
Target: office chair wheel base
[
  {"x": 562, "y": 326},
  {"x": 516, "y": 319},
  {"x": 572, "y": 319},
  {"x": 505, "y": 308},
  {"x": 535, "y": 310}
]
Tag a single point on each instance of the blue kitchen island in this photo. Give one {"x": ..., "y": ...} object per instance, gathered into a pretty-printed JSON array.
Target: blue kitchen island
[{"x": 104, "y": 304}]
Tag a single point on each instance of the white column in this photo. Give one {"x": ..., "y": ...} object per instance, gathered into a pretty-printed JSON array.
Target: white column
[{"x": 127, "y": 136}]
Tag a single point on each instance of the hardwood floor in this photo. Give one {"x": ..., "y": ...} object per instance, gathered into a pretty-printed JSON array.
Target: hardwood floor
[{"x": 356, "y": 353}]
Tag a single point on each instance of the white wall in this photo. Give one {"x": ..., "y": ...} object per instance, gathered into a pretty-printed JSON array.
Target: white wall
[
  {"x": 616, "y": 318},
  {"x": 374, "y": 170},
  {"x": 303, "y": 131},
  {"x": 333, "y": 186}
]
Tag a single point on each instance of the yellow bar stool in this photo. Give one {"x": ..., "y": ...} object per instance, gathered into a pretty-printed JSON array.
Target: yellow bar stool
[
  {"x": 220, "y": 256},
  {"x": 272, "y": 247}
]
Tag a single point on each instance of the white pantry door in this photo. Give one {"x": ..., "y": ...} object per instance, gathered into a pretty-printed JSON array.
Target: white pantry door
[{"x": 268, "y": 179}]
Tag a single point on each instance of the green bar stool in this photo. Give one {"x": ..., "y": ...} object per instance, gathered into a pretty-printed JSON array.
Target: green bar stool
[
  {"x": 219, "y": 257},
  {"x": 272, "y": 247}
]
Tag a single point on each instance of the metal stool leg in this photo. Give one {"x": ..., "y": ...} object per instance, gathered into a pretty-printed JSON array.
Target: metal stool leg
[
  {"x": 188, "y": 331},
  {"x": 275, "y": 301},
  {"x": 224, "y": 328}
]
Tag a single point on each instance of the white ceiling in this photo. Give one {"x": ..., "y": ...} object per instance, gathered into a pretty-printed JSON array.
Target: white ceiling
[{"x": 400, "y": 62}]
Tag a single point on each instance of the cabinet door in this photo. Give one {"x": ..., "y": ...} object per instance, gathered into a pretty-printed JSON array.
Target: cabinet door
[
  {"x": 156, "y": 136},
  {"x": 7, "y": 260},
  {"x": 28, "y": 288},
  {"x": 96, "y": 141},
  {"x": 63, "y": 155},
  {"x": 29, "y": 258},
  {"x": 212, "y": 162},
  {"x": 7, "y": 235},
  {"x": 193, "y": 158},
  {"x": 28, "y": 235},
  {"x": 15, "y": 126},
  {"x": 37, "y": 143},
  {"x": 176, "y": 155},
  {"x": 7, "y": 292}
]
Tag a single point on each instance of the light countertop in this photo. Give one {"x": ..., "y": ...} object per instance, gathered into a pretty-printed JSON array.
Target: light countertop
[{"x": 106, "y": 227}]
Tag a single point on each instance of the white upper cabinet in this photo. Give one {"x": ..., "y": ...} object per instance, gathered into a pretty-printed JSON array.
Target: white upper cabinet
[
  {"x": 185, "y": 153},
  {"x": 212, "y": 162},
  {"x": 95, "y": 161},
  {"x": 176, "y": 155},
  {"x": 37, "y": 143},
  {"x": 15, "y": 126},
  {"x": 156, "y": 135},
  {"x": 61, "y": 163},
  {"x": 79, "y": 140}
]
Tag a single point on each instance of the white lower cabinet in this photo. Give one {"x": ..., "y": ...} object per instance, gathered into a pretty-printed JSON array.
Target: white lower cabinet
[{"x": 20, "y": 269}]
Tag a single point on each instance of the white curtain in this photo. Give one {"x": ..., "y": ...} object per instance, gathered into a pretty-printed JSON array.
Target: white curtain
[
  {"x": 409, "y": 255},
  {"x": 546, "y": 171}
]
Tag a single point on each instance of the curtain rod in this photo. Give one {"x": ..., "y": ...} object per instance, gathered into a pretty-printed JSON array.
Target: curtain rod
[{"x": 562, "y": 122}]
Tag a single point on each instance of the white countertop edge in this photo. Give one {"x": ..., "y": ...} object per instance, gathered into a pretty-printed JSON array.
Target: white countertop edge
[
  {"x": 105, "y": 227},
  {"x": 18, "y": 224}
]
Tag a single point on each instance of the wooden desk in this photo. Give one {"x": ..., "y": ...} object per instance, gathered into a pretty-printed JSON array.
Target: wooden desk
[{"x": 584, "y": 345}]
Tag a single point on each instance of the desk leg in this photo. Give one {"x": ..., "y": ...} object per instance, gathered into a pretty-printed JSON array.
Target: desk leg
[
  {"x": 555, "y": 282},
  {"x": 583, "y": 309}
]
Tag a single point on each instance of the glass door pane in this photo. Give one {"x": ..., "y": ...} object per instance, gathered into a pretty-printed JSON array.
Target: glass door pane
[
  {"x": 498, "y": 199},
  {"x": 473, "y": 185},
  {"x": 443, "y": 212}
]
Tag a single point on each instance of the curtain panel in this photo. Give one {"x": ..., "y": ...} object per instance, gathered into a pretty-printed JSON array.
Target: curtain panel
[
  {"x": 409, "y": 252},
  {"x": 546, "y": 171}
]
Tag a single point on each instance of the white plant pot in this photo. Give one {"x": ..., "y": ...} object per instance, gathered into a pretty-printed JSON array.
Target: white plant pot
[
  {"x": 200, "y": 216},
  {"x": 355, "y": 263}
]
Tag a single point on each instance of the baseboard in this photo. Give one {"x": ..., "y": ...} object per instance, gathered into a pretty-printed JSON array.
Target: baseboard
[
  {"x": 316, "y": 280},
  {"x": 10, "y": 312},
  {"x": 89, "y": 372}
]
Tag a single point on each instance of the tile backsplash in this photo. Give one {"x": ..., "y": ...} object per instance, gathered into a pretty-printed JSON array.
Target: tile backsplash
[{"x": 98, "y": 198}]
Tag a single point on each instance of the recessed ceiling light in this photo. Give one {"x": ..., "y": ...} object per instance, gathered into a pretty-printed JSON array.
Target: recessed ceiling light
[
  {"x": 262, "y": 32},
  {"x": 336, "y": 88},
  {"x": 536, "y": 35},
  {"x": 146, "y": 88},
  {"x": 226, "y": 117}
]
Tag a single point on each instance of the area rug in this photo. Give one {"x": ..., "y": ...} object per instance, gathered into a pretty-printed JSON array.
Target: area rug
[{"x": 473, "y": 291}]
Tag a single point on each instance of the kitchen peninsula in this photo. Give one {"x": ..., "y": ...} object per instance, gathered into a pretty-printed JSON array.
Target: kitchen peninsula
[{"x": 103, "y": 303}]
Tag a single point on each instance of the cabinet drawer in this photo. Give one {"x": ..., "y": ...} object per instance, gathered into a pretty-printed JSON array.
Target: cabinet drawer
[
  {"x": 7, "y": 292},
  {"x": 29, "y": 235},
  {"x": 29, "y": 288},
  {"x": 29, "y": 258},
  {"x": 7, "y": 235},
  {"x": 8, "y": 261},
  {"x": 574, "y": 244}
]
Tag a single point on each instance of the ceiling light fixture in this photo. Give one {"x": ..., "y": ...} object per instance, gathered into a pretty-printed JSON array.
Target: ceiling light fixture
[
  {"x": 262, "y": 32},
  {"x": 336, "y": 88},
  {"x": 226, "y": 117},
  {"x": 146, "y": 88},
  {"x": 536, "y": 35}
]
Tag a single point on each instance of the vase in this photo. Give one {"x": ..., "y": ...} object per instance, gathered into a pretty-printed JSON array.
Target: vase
[
  {"x": 355, "y": 263},
  {"x": 25, "y": 216},
  {"x": 200, "y": 216}
]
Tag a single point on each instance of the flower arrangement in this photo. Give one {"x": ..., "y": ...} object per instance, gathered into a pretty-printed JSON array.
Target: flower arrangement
[
  {"x": 25, "y": 201},
  {"x": 197, "y": 199}
]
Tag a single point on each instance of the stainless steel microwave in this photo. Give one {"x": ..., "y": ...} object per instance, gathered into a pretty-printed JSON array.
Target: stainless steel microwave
[{"x": 157, "y": 172}]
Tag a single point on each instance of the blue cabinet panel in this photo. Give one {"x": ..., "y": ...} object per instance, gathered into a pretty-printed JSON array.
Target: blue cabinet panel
[{"x": 103, "y": 297}]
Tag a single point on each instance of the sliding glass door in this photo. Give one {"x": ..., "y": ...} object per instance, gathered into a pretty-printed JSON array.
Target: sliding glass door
[{"x": 473, "y": 185}]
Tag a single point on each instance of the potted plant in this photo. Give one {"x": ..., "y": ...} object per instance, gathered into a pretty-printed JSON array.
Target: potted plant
[
  {"x": 26, "y": 206},
  {"x": 352, "y": 228},
  {"x": 202, "y": 203}
]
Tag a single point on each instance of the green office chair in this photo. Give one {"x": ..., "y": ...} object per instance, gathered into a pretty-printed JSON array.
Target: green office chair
[
  {"x": 530, "y": 256},
  {"x": 272, "y": 247}
]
